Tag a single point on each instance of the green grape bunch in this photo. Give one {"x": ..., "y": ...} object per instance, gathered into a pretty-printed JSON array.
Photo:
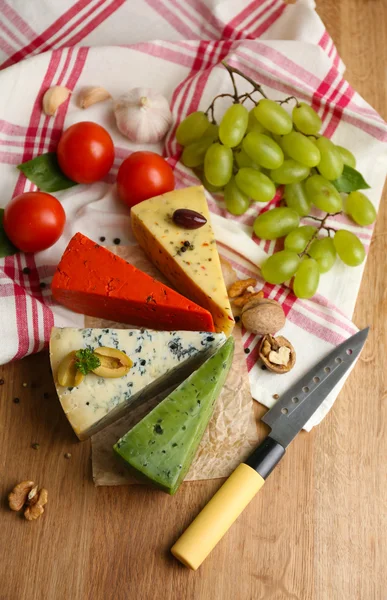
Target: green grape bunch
[{"x": 252, "y": 153}]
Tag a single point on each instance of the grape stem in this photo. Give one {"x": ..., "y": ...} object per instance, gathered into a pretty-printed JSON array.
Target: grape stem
[
  {"x": 236, "y": 98},
  {"x": 247, "y": 96},
  {"x": 320, "y": 227},
  {"x": 212, "y": 105},
  {"x": 233, "y": 70},
  {"x": 288, "y": 100},
  {"x": 329, "y": 229},
  {"x": 324, "y": 218}
]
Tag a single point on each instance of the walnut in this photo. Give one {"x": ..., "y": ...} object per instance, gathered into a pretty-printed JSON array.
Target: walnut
[
  {"x": 262, "y": 315},
  {"x": 277, "y": 354},
  {"x": 242, "y": 300},
  {"x": 33, "y": 496},
  {"x": 26, "y": 494},
  {"x": 239, "y": 287},
  {"x": 35, "y": 509},
  {"x": 19, "y": 495}
]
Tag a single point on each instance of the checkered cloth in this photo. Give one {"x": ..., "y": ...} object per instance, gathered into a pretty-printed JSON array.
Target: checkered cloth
[{"x": 176, "y": 47}]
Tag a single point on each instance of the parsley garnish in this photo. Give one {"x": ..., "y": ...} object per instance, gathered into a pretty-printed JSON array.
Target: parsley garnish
[{"x": 87, "y": 361}]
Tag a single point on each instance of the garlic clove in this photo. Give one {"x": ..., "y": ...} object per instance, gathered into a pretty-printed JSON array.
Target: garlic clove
[
  {"x": 53, "y": 98},
  {"x": 91, "y": 95}
]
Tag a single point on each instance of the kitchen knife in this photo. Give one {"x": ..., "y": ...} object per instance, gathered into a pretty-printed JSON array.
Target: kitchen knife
[{"x": 286, "y": 419}]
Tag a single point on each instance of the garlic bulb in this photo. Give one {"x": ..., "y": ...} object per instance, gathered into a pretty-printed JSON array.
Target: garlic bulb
[{"x": 143, "y": 115}]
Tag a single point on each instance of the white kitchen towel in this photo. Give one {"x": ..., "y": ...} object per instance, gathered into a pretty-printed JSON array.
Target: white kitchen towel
[{"x": 189, "y": 73}]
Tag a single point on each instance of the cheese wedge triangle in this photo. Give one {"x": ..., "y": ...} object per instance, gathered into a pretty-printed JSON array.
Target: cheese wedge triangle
[
  {"x": 93, "y": 281},
  {"x": 187, "y": 257},
  {"x": 160, "y": 359},
  {"x": 161, "y": 447}
]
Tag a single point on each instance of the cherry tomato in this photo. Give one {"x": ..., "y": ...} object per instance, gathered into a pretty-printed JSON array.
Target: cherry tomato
[
  {"x": 143, "y": 175},
  {"x": 34, "y": 221},
  {"x": 85, "y": 152}
]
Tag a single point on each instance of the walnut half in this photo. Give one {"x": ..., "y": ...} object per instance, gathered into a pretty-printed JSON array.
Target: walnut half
[
  {"x": 28, "y": 496},
  {"x": 277, "y": 354},
  {"x": 19, "y": 495},
  {"x": 35, "y": 509}
]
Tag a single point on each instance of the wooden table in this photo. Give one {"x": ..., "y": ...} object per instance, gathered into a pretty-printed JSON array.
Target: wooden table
[{"x": 316, "y": 531}]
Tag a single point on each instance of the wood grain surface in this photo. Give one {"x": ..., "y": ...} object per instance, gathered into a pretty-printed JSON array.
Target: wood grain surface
[{"x": 317, "y": 530}]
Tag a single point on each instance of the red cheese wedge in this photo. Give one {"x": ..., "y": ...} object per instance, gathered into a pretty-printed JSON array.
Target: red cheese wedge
[{"x": 93, "y": 281}]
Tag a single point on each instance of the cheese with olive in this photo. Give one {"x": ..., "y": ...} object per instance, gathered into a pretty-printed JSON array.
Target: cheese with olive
[
  {"x": 160, "y": 359},
  {"x": 187, "y": 257}
]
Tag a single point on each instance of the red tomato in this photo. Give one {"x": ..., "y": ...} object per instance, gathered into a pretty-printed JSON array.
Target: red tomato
[
  {"x": 143, "y": 175},
  {"x": 34, "y": 221},
  {"x": 85, "y": 152}
]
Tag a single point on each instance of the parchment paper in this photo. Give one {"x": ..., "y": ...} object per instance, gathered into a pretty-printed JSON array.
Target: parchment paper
[{"x": 230, "y": 436}]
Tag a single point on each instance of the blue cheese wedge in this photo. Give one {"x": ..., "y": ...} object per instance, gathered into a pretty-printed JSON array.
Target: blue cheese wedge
[{"x": 161, "y": 359}]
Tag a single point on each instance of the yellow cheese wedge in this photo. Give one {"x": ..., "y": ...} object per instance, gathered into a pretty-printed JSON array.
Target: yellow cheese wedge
[{"x": 187, "y": 257}]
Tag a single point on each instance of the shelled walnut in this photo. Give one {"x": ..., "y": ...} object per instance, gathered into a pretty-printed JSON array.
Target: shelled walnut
[
  {"x": 248, "y": 297},
  {"x": 27, "y": 495},
  {"x": 238, "y": 288},
  {"x": 19, "y": 495},
  {"x": 277, "y": 354},
  {"x": 35, "y": 507},
  {"x": 241, "y": 292}
]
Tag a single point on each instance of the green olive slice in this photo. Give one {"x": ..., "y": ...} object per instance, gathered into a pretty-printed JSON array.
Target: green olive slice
[
  {"x": 114, "y": 363},
  {"x": 68, "y": 375}
]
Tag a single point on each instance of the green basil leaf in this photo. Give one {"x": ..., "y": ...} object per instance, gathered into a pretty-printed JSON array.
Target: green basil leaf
[
  {"x": 350, "y": 181},
  {"x": 44, "y": 171},
  {"x": 6, "y": 246}
]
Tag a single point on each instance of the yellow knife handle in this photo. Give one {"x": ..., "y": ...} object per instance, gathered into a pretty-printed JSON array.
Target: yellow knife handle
[
  {"x": 217, "y": 516},
  {"x": 226, "y": 505}
]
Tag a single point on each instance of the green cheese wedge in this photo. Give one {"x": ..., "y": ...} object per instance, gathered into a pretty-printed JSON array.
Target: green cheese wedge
[{"x": 161, "y": 447}]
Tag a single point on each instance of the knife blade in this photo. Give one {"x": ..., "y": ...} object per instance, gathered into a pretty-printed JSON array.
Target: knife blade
[
  {"x": 286, "y": 419},
  {"x": 294, "y": 409}
]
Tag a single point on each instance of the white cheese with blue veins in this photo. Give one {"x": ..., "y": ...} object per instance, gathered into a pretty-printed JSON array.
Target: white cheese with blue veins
[{"x": 160, "y": 359}]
